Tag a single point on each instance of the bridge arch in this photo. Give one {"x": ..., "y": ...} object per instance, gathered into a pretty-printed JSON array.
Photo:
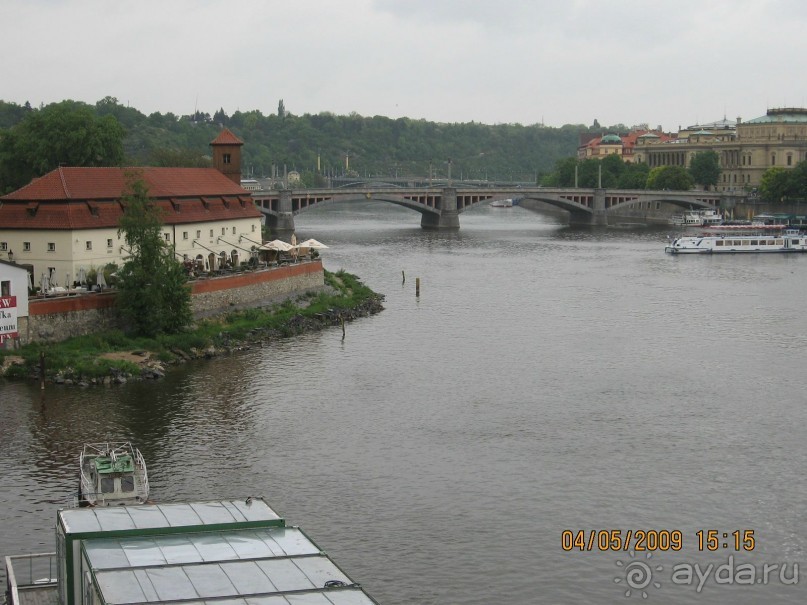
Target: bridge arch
[{"x": 440, "y": 207}]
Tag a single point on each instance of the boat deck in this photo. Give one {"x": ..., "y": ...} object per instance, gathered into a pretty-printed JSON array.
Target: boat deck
[
  {"x": 38, "y": 595},
  {"x": 31, "y": 579}
]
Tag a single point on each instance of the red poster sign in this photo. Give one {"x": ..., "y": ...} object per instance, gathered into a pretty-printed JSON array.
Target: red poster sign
[{"x": 8, "y": 318}]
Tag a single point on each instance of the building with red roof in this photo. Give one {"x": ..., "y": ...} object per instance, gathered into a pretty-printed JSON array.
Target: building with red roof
[
  {"x": 624, "y": 145},
  {"x": 67, "y": 220}
]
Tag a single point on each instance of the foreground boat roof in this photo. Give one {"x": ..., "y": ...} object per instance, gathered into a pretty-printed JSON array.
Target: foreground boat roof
[
  {"x": 265, "y": 566},
  {"x": 193, "y": 516},
  {"x": 219, "y": 551}
]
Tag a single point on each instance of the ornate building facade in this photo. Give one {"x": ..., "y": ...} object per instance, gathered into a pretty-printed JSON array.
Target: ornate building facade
[{"x": 745, "y": 149}]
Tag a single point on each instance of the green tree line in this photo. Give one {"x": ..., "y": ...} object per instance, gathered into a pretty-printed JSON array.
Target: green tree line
[
  {"x": 34, "y": 141},
  {"x": 612, "y": 172}
]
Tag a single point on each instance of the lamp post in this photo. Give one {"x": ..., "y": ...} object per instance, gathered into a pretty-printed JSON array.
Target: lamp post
[{"x": 10, "y": 256}]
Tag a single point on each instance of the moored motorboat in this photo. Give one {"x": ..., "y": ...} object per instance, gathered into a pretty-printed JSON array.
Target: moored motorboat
[
  {"x": 792, "y": 240},
  {"x": 697, "y": 218},
  {"x": 112, "y": 474}
]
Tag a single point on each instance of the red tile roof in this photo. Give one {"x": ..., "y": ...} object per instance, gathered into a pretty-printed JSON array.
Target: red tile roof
[
  {"x": 87, "y": 198},
  {"x": 226, "y": 137},
  {"x": 110, "y": 183}
]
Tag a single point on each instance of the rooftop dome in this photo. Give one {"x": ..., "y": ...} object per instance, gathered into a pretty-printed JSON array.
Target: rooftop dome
[{"x": 611, "y": 139}]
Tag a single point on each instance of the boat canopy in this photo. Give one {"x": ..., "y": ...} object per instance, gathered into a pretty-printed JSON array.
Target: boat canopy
[{"x": 121, "y": 464}]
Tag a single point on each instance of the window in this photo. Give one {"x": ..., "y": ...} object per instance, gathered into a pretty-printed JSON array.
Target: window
[
  {"x": 226, "y": 158},
  {"x": 184, "y": 235},
  {"x": 3, "y": 246},
  {"x": 26, "y": 246},
  {"x": 223, "y": 230},
  {"x": 233, "y": 230},
  {"x": 198, "y": 233},
  {"x": 253, "y": 228},
  {"x": 88, "y": 245},
  {"x": 167, "y": 237},
  {"x": 51, "y": 247},
  {"x": 773, "y": 159},
  {"x": 5, "y": 288},
  {"x": 211, "y": 234},
  {"x": 109, "y": 242},
  {"x": 789, "y": 160}
]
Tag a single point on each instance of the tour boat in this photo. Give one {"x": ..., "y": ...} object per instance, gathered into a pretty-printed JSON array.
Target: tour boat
[
  {"x": 697, "y": 218},
  {"x": 508, "y": 203},
  {"x": 792, "y": 240},
  {"x": 112, "y": 474}
]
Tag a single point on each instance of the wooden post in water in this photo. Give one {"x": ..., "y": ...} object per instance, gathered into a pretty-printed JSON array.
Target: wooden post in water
[
  {"x": 42, "y": 370},
  {"x": 417, "y": 287},
  {"x": 403, "y": 276},
  {"x": 342, "y": 322}
]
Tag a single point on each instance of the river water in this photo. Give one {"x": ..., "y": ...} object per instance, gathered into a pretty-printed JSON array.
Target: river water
[{"x": 546, "y": 379}]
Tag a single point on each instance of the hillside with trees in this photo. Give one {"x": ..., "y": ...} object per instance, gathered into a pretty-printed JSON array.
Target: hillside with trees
[{"x": 317, "y": 146}]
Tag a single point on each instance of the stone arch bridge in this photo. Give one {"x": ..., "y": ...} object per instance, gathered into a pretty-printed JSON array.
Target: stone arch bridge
[{"x": 440, "y": 207}]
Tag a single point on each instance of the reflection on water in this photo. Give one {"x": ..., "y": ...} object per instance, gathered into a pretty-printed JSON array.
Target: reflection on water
[{"x": 547, "y": 378}]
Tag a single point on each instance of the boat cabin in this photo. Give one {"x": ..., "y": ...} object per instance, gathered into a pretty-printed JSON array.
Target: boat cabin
[{"x": 112, "y": 474}]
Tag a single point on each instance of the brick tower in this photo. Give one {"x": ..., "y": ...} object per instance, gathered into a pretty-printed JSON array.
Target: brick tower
[{"x": 227, "y": 155}]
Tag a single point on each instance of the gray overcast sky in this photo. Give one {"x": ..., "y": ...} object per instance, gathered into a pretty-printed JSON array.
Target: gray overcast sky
[{"x": 665, "y": 63}]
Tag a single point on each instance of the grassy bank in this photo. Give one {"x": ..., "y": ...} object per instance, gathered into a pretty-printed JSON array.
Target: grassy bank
[{"x": 93, "y": 358}]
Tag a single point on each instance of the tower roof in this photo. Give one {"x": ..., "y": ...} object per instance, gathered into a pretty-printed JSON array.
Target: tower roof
[{"x": 226, "y": 137}]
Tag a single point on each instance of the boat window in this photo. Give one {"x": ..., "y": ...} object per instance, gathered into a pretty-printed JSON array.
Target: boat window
[
  {"x": 755, "y": 242},
  {"x": 127, "y": 483},
  {"x": 719, "y": 242},
  {"x": 107, "y": 484}
]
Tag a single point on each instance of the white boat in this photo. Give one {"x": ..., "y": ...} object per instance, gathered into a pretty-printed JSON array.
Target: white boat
[
  {"x": 508, "y": 203},
  {"x": 697, "y": 218},
  {"x": 112, "y": 474},
  {"x": 792, "y": 240}
]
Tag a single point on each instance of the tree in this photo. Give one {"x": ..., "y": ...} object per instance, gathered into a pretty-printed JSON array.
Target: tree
[
  {"x": 634, "y": 176},
  {"x": 775, "y": 184},
  {"x": 281, "y": 109},
  {"x": 798, "y": 181},
  {"x": 154, "y": 296},
  {"x": 61, "y": 133},
  {"x": 674, "y": 178},
  {"x": 185, "y": 158},
  {"x": 705, "y": 168}
]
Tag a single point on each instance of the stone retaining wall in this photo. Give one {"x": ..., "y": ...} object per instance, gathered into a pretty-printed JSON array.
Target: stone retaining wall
[{"x": 55, "y": 319}]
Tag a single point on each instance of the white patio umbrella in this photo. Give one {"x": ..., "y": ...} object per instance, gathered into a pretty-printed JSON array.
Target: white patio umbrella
[
  {"x": 82, "y": 276},
  {"x": 44, "y": 284},
  {"x": 312, "y": 243},
  {"x": 277, "y": 245},
  {"x": 100, "y": 279}
]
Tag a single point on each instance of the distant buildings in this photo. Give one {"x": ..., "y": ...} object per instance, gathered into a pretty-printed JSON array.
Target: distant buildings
[{"x": 745, "y": 149}]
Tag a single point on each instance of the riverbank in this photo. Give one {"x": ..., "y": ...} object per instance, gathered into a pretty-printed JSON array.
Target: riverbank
[{"x": 112, "y": 357}]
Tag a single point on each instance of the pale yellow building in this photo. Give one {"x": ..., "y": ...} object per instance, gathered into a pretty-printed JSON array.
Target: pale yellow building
[
  {"x": 64, "y": 224},
  {"x": 745, "y": 149}
]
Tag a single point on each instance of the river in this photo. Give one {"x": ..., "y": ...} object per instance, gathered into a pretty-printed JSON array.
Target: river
[{"x": 546, "y": 379}]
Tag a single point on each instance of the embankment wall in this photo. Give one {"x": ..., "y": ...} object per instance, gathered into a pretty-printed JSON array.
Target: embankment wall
[{"x": 53, "y": 319}]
